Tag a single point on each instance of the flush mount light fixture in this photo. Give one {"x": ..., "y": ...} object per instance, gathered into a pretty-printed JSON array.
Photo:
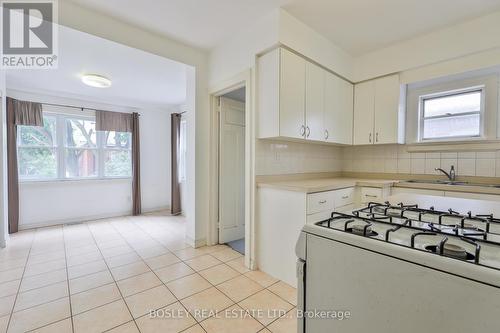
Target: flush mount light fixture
[{"x": 97, "y": 81}]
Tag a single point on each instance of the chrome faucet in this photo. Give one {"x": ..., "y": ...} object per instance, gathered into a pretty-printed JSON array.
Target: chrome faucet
[{"x": 451, "y": 175}]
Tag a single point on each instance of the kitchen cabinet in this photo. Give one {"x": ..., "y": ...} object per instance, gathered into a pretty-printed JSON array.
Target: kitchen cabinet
[
  {"x": 298, "y": 99},
  {"x": 379, "y": 111}
]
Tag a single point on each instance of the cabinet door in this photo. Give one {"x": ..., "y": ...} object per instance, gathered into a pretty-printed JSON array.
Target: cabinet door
[
  {"x": 338, "y": 110},
  {"x": 315, "y": 102},
  {"x": 292, "y": 95},
  {"x": 387, "y": 94},
  {"x": 364, "y": 99}
]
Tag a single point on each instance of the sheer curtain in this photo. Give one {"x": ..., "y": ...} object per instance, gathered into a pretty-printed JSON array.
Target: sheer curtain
[
  {"x": 175, "y": 204},
  {"x": 18, "y": 113}
]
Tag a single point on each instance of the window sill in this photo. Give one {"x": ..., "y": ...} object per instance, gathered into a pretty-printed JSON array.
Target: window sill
[
  {"x": 457, "y": 145},
  {"x": 74, "y": 180}
]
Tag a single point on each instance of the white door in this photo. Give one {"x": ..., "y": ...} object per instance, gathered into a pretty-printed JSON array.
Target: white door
[
  {"x": 364, "y": 99},
  {"x": 338, "y": 110},
  {"x": 231, "y": 171},
  {"x": 292, "y": 95},
  {"x": 386, "y": 109},
  {"x": 315, "y": 102}
]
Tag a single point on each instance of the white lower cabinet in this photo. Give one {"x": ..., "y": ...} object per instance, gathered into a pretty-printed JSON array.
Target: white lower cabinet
[
  {"x": 399, "y": 190},
  {"x": 477, "y": 196}
]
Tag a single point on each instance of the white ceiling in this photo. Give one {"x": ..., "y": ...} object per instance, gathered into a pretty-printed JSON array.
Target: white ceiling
[
  {"x": 139, "y": 79},
  {"x": 357, "y": 26}
]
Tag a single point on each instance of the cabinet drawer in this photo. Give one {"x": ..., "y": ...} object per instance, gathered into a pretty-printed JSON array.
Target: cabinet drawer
[
  {"x": 371, "y": 194},
  {"x": 321, "y": 216},
  {"x": 319, "y": 202},
  {"x": 344, "y": 197}
]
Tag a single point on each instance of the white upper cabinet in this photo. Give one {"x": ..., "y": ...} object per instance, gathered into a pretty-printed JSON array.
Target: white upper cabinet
[
  {"x": 364, "y": 112},
  {"x": 298, "y": 99},
  {"x": 292, "y": 95},
  {"x": 315, "y": 102},
  {"x": 338, "y": 110},
  {"x": 379, "y": 111}
]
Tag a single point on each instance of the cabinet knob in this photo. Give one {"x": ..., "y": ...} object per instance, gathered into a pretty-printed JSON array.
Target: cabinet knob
[{"x": 322, "y": 202}]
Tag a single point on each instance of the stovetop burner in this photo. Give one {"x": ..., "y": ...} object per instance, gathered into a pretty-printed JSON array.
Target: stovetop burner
[{"x": 452, "y": 251}]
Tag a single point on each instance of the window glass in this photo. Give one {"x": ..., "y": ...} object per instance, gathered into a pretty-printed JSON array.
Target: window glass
[
  {"x": 118, "y": 139},
  {"x": 81, "y": 163},
  {"x": 80, "y": 133},
  {"x": 118, "y": 163},
  {"x": 453, "y": 104},
  {"x": 38, "y": 136},
  {"x": 37, "y": 163}
]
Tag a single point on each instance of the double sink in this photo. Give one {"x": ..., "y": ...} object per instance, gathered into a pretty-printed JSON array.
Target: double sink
[{"x": 451, "y": 182}]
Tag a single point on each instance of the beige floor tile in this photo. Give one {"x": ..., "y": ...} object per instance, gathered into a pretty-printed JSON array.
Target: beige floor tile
[
  {"x": 116, "y": 251},
  {"x": 238, "y": 265},
  {"x": 152, "y": 299},
  {"x": 42, "y": 295},
  {"x": 188, "y": 285},
  {"x": 150, "y": 252},
  {"x": 126, "y": 271},
  {"x": 206, "y": 303},
  {"x": 219, "y": 274},
  {"x": 42, "y": 280},
  {"x": 269, "y": 306},
  {"x": 162, "y": 261},
  {"x": 90, "y": 281},
  {"x": 35, "y": 269},
  {"x": 138, "y": 283},
  {"x": 180, "y": 320},
  {"x": 63, "y": 326},
  {"x": 6, "y": 305},
  {"x": 42, "y": 258},
  {"x": 216, "y": 248},
  {"x": 233, "y": 320},
  {"x": 265, "y": 330},
  {"x": 86, "y": 269},
  {"x": 202, "y": 262},
  {"x": 9, "y": 288},
  {"x": 194, "y": 329},
  {"x": 83, "y": 258},
  {"x": 286, "y": 324},
  {"x": 239, "y": 288},
  {"x": 11, "y": 264},
  {"x": 285, "y": 291},
  {"x": 189, "y": 253},
  {"x": 11, "y": 274},
  {"x": 226, "y": 254},
  {"x": 93, "y": 298},
  {"x": 40, "y": 315},
  {"x": 4, "y": 321},
  {"x": 102, "y": 318},
  {"x": 74, "y": 251},
  {"x": 174, "y": 272},
  {"x": 123, "y": 259},
  {"x": 129, "y": 327},
  {"x": 261, "y": 278}
]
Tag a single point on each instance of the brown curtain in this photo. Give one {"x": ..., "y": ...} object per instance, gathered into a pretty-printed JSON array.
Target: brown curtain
[
  {"x": 136, "y": 166},
  {"x": 175, "y": 205},
  {"x": 18, "y": 113},
  {"x": 126, "y": 122}
]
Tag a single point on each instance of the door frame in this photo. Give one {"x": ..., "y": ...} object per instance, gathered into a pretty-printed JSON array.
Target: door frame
[{"x": 243, "y": 79}]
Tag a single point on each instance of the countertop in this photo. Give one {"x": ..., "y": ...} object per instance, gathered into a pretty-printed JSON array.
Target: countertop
[
  {"x": 451, "y": 188},
  {"x": 325, "y": 184}
]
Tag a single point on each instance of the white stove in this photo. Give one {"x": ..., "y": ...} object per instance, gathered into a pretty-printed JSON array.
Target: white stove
[{"x": 436, "y": 270}]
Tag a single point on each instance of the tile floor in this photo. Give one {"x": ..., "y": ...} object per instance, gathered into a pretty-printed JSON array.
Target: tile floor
[{"x": 107, "y": 275}]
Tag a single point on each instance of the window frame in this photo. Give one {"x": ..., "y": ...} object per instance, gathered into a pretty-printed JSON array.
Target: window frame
[
  {"x": 60, "y": 147},
  {"x": 421, "y": 114}
]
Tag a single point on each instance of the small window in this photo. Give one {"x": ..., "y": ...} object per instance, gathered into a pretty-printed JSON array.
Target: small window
[{"x": 452, "y": 115}]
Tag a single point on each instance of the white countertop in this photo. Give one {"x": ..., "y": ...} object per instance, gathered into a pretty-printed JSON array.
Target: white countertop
[{"x": 325, "y": 184}]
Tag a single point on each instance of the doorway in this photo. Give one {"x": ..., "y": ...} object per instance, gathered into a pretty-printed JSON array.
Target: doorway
[{"x": 231, "y": 141}]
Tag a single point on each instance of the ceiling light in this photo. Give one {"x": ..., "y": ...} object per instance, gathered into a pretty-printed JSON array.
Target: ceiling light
[{"x": 97, "y": 81}]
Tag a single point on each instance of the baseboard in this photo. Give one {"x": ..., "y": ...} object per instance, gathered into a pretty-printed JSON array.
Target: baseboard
[
  {"x": 155, "y": 209},
  {"x": 195, "y": 243}
]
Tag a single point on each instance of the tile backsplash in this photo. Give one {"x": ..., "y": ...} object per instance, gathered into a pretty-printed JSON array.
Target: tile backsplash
[
  {"x": 396, "y": 159},
  {"x": 275, "y": 157}
]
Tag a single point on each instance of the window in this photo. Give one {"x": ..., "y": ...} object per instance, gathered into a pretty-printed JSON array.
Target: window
[
  {"x": 69, "y": 147},
  {"x": 452, "y": 115}
]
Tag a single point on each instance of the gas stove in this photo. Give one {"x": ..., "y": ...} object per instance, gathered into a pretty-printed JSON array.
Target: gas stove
[{"x": 474, "y": 239}]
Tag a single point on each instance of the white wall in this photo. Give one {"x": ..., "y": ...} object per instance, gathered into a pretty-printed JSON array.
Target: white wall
[
  {"x": 55, "y": 202},
  {"x": 3, "y": 163},
  {"x": 92, "y": 22}
]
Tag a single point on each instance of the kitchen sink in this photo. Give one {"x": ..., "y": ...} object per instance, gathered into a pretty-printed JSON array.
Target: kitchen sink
[{"x": 450, "y": 182}]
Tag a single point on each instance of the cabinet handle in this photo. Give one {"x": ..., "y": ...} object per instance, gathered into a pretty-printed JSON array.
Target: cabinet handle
[
  {"x": 308, "y": 131},
  {"x": 370, "y": 196},
  {"x": 376, "y": 137},
  {"x": 345, "y": 197},
  {"x": 370, "y": 138},
  {"x": 322, "y": 202},
  {"x": 302, "y": 130},
  {"x": 326, "y": 134}
]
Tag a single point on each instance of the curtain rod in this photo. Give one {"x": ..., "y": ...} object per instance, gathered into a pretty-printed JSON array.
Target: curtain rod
[{"x": 77, "y": 107}]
